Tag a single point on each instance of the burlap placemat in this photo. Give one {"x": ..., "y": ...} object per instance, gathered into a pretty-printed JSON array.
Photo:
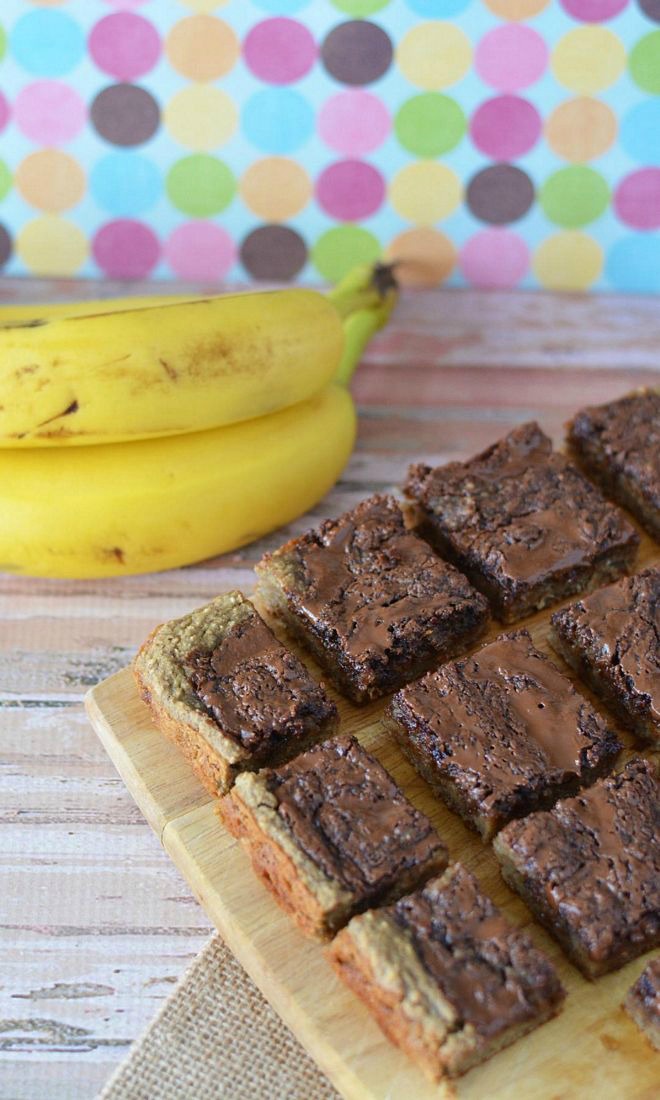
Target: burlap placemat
[{"x": 216, "y": 1036}]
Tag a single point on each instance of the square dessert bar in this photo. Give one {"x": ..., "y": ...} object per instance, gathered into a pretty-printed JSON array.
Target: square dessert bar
[
  {"x": 370, "y": 599},
  {"x": 612, "y": 639},
  {"x": 590, "y": 869},
  {"x": 448, "y": 979},
  {"x": 330, "y": 834},
  {"x": 619, "y": 445},
  {"x": 222, "y": 687},
  {"x": 643, "y": 1002},
  {"x": 501, "y": 733},
  {"x": 522, "y": 523}
]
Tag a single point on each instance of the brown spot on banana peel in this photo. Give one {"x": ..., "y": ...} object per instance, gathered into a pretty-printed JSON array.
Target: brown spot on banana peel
[
  {"x": 34, "y": 322},
  {"x": 70, "y": 409},
  {"x": 113, "y": 552},
  {"x": 132, "y": 309},
  {"x": 169, "y": 371}
]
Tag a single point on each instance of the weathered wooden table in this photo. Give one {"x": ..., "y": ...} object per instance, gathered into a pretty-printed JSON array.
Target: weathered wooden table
[{"x": 95, "y": 923}]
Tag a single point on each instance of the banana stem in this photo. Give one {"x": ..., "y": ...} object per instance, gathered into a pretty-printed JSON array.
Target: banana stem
[
  {"x": 359, "y": 327},
  {"x": 364, "y": 299},
  {"x": 365, "y": 287}
]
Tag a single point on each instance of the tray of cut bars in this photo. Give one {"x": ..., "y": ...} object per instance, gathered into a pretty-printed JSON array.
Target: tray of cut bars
[{"x": 413, "y": 778}]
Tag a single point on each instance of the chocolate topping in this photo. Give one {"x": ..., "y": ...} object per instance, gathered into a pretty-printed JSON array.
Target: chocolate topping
[
  {"x": 617, "y": 629},
  {"x": 595, "y": 860},
  {"x": 256, "y": 691},
  {"x": 349, "y": 817},
  {"x": 519, "y": 512},
  {"x": 624, "y": 437},
  {"x": 505, "y": 726},
  {"x": 489, "y": 971},
  {"x": 372, "y": 582}
]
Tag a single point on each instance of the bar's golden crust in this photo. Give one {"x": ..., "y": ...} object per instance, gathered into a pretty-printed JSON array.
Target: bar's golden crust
[{"x": 163, "y": 683}]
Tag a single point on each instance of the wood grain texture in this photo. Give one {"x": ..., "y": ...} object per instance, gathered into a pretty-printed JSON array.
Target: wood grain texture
[
  {"x": 601, "y": 1051},
  {"x": 95, "y": 921}
]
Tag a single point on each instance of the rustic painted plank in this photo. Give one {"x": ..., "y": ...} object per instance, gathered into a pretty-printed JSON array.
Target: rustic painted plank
[{"x": 537, "y": 355}]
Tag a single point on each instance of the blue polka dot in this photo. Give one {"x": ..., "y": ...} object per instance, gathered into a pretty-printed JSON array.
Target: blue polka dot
[
  {"x": 640, "y": 132},
  {"x": 47, "y": 43},
  {"x": 633, "y": 264},
  {"x": 438, "y": 9},
  {"x": 281, "y": 7},
  {"x": 278, "y": 120},
  {"x": 125, "y": 183}
]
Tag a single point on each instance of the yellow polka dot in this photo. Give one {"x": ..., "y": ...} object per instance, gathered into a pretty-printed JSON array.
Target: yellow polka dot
[
  {"x": 588, "y": 59},
  {"x": 204, "y": 5},
  {"x": 275, "y": 188},
  {"x": 568, "y": 261},
  {"x": 424, "y": 192},
  {"x": 50, "y": 180},
  {"x": 581, "y": 129},
  {"x": 201, "y": 117},
  {"x": 517, "y": 9},
  {"x": 52, "y": 246},
  {"x": 425, "y": 257},
  {"x": 202, "y": 48},
  {"x": 433, "y": 55}
]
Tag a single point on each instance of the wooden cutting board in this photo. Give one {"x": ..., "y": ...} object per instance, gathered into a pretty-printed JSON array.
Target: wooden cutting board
[{"x": 592, "y": 1049}]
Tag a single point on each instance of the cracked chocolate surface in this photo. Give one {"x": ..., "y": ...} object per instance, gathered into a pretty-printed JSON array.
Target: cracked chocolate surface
[
  {"x": 377, "y": 595},
  {"x": 517, "y": 515},
  {"x": 350, "y": 818},
  {"x": 490, "y": 972},
  {"x": 255, "y": 689},
  {"x": 505, "y": 727},
  {"x": 594, "y": 860},
  {"x": 616, "y": 633},
  {"x": 622, "y": 441}
]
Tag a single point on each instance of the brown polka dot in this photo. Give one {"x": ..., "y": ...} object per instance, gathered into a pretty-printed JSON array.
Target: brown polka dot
[
  {"x": 651, "y": 8},
  {"x": 273, "y": 252},
  {"x": 500, "y": 194},
  {"x": 124, "y": 114},
  {"x": 357, "y": 52},
  {"x": 5, "y": 246}
]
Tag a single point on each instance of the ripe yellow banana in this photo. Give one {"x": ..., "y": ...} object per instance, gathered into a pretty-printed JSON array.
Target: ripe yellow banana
[
  {"x": 124, "y": 370},
  {"x": 123, "y": 508}
]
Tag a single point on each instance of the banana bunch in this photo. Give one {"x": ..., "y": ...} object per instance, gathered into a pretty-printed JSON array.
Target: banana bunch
[{"x": 144, "y": 434}]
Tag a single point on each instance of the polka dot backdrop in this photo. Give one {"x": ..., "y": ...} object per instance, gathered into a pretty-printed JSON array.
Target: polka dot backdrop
[{"x": 495, "y": 144}]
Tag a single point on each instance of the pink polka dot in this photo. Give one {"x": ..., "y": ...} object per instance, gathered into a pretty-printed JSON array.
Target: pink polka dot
[
  {"x": 200, "y": 250},
  {"x": 279, "y": 51},
  {"x": 124, "y": 45},
  {"x": 126, "y": 249},
  {"x": 354, "y": 122},
  {"x": 49, "y": 113},
  {"x": 637, "y": 199},
  {"x": 4, "y": 112},
  {"x": 505, "y": 127},
  {"x": 511, "y": 57},
  {"x": 593, "y": 11},
  {"x": 350, "y": 190},
  {"x": 494, "y": 258}
]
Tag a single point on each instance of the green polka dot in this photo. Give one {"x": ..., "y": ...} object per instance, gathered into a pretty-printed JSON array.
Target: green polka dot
[
  {"x": 574, "y": 196},
  {"x": 200, "y": 185},
  {"x": 3, "y": 43},
  {"x": 340, "y": 249},
  {"x": 429, "y": 124},
  {"x": 5, "y": 179},
  {"x": 644, "y": 63},
  {"x": 360, "y": 8}
]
